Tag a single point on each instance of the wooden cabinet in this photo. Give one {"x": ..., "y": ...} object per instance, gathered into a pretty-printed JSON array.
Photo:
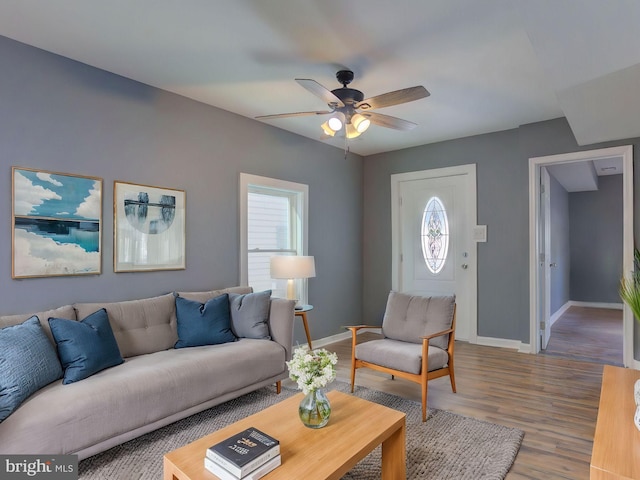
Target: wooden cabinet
[{"x": 616, "y": 444}]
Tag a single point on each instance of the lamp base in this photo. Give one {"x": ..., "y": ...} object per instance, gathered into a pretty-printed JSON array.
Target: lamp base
[{"x": 291, "y": 292}]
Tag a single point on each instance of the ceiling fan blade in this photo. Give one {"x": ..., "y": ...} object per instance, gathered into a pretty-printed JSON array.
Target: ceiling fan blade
[
  {"x": 389, "y": 122},
  {"x": 294, "y": 114},
  {"x": 394, "y": 98},
  {"x": 326, "y": 95}
]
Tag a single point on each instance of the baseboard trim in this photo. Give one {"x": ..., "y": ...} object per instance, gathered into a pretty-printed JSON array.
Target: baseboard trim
[
  {"x": 612, "y": 306},
  {"x": 323, "y": 342},
  {"x": 573, "y": 303},
  {"x": 504, "y": 343},
  {"x": 560, "y": 312},
  {"x": 486, "y": 341}
]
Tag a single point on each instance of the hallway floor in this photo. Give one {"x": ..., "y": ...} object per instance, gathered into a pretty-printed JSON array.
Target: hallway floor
[{"x": 588, "y": 334}]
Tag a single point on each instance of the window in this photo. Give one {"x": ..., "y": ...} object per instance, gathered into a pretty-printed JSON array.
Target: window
[
  {"x": 273, "y": 222},
  {"x": 435, "y": 235}
]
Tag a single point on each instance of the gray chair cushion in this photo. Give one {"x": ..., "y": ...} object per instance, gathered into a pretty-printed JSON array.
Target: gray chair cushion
[
  {"x": 409, "y": 317},
  {"x": 398, "y": 355}
]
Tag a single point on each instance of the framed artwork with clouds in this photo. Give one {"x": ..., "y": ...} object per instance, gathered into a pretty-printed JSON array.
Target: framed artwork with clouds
[{"x": 56, "y": 224}]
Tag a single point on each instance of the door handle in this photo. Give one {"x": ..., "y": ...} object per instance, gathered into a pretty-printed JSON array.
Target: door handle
[
  {"x": 553, "y": 265},
  {"x": 464, "y": 266}
]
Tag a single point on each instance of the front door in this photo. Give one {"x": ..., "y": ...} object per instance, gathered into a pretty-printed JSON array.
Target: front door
[{"x": 434, "y": 252}]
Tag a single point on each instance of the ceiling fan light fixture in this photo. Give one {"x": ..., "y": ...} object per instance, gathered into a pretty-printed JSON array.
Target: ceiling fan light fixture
[
  {"x": 360, "y": 122},
  {"x": 336, "y": 121},
  {"x": 327, "y": 129},
  {"x": 351, "y": 131}
]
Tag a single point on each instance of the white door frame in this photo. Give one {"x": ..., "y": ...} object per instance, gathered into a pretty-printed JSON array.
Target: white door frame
[
  {"x": 472, "y": 262},
  {"x": 626, "y": 154}
]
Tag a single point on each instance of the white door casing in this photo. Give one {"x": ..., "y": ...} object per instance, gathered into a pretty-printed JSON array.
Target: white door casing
[
  {"x": 536, "y": 164},
  {"x": 410, "y": 192}
]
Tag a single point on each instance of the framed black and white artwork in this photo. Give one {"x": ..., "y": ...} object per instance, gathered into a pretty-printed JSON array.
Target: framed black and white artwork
[{"x": 149, "y": 228}]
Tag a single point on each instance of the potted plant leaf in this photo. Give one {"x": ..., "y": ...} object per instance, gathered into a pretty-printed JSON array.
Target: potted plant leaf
[
  {"x": 630, "y": 294},
  {"x": 630, "y": 286}
]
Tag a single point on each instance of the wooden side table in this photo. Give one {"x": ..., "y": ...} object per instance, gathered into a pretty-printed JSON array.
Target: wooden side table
[
  {"x": 302, "y": 313},
  {"x": 615, "y": 454}
]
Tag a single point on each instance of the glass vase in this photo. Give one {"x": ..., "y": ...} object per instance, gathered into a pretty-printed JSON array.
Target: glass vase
[{"x": 314, "y": 409}]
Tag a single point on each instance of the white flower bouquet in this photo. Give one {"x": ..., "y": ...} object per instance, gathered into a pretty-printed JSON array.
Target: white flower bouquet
[{"x": 312, "y": 370}]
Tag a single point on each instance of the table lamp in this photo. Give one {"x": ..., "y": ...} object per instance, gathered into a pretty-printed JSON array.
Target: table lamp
[{"x": 290, "y": 268}]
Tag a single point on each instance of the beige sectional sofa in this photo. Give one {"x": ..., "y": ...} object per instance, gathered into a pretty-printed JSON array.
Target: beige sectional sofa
[{"x": 154, "y": 386}]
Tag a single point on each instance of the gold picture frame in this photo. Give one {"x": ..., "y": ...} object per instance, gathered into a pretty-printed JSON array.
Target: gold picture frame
[{"x": 149, "y": 228}]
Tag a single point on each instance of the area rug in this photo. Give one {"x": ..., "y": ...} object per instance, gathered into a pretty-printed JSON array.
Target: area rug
[{"x": 447, "y": 446}]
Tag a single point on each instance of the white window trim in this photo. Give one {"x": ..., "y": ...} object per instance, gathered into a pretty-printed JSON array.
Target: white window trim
[{"x": 247, "y": 179}]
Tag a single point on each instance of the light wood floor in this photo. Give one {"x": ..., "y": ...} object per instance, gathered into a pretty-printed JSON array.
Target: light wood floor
[
  {"x": 553, "y": 399},
  {"x": 589, "y": 334}
]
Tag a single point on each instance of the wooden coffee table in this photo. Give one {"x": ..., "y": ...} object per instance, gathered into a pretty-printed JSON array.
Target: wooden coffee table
[{"x": 356, "y": 427}]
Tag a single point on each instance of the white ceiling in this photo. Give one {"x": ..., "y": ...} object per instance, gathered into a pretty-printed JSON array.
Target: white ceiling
[
  {"x": 489, "y": 65},
  {"x": 583, "y": 176}
]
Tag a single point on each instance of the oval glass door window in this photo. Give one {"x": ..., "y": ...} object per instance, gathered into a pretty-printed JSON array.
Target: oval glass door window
[{"x": 435, "y": 235}]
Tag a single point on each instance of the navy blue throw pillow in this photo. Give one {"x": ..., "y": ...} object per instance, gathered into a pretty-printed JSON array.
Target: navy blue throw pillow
[
  {"x": 85, "y": 347},
  {"x": 203, "y": 323}
]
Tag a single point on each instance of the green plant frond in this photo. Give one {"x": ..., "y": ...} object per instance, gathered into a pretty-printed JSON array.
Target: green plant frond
[{"x": 630, "y": 293}]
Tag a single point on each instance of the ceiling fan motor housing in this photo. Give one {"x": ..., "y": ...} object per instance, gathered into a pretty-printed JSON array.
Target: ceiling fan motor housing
[{"x": 348, "y": 96}]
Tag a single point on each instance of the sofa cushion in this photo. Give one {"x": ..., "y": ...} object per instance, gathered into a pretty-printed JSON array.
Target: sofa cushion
[
  {"x": 142, "y": 393},
  {"x": 209, "y": 294},
  {"x": 66, "y": 311},
  {"x": 28, "y": 362},
  {"x": 408, "y": 317},
  {"x": 140, "y": 326},
  {"x": 250, "y": 314},
  {"x": 206, "y": 323},
  {"x": 85, "y": 347}
]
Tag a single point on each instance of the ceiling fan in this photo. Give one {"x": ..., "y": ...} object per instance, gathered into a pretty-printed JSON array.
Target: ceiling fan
[{"x": 348, "y": 107}]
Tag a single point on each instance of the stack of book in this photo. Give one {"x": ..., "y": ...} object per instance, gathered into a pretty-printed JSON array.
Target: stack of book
[{"x": 248, "y": 455}]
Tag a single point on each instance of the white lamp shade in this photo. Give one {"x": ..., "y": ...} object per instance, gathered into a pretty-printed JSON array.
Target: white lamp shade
[
  {"x": 336, "y": 121},
  {"x": 327, "y": 129},
  {"x": 288, "y": 267},
  {"x": 351, "y": 132},
  {"x": 360, "y": 122}
]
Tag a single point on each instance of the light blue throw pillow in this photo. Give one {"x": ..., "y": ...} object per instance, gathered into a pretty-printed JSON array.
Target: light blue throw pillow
[
  {"x": 85, "y": 347},
  {"x": 28, "y": 362},
  {"x": 250, "y": 314},
  {"x": 203, "y": 323}
]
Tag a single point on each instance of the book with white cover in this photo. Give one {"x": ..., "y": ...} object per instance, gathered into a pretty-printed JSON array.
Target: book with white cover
[{"x": 259, "y": 472}]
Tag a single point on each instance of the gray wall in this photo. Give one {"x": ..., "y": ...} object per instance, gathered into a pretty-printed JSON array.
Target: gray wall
[
  {"x": 560, "y": 246},
  {"x": 64, "y": 116},
  {"x": 60, "y": 115},
  {"x": 502, "y": 169},
  {"x": 596, "y": 241}
]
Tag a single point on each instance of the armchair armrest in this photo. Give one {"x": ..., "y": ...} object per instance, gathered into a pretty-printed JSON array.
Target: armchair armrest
[
  {"x": 438, "y": 334},
  {"x": 355, "y": 328}
]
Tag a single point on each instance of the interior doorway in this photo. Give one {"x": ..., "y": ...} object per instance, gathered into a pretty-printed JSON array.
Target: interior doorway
[{"x": 540, "y": 261}]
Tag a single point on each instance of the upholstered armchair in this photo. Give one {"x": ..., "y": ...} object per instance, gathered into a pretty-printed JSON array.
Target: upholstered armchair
[{"x": 418, "y": 343}]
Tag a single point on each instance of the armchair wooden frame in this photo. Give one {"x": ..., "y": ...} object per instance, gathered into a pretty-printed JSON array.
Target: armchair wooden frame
[{"x": 424, "y": 376}]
